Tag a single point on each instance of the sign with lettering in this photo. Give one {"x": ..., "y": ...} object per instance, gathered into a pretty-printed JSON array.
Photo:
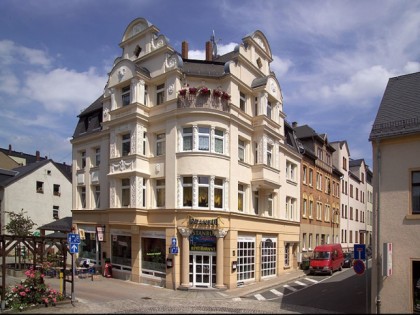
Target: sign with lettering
[
  {"x": 205, "y": 222},
  {"x": 202, "y": 241}
]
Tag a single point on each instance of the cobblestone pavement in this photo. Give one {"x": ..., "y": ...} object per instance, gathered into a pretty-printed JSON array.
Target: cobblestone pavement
[{"x": 106, "y": 296}]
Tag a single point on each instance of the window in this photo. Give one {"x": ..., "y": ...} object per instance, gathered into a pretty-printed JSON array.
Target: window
[
  {"x": 125, "y": 192},
  {"x": 160, "y": 94},
  {"x": 246, "y": 259},
  {"x": 344, "y": 164},
  {"x": 318, "y": 181},
  {"x": 160, "y": 144},
  {"x": 310, "y": 241},
  {"x": 218, "y": 193},
  {"x": 259, "y": 62},
  {"x": 97, "y": 157},
  {"x": 121, "y": 250},
  {"x": 83, "y": 159},
  {"x": 291, "y": 171},
  {"x": 125, "y": 144},
  {"x": 269, "y": 154},
  {"x": 187, "y": 191},
  {"x": 305, "y": 174},
  {"x": 351, "y": 190},
  {"x": 327, "y": 213},
  {"x": 311, "y": 175},
  {"x": 286, "y": 255},
  {"x": 269, "y": 110},
  {"x": 153, "y": 257},
  {"x": 256, "y": 106},
  {"x": 241, "y": 150},
  {"x": 311, "y": 209},
  {"x": 304, "y": 240},
  {"x": 256, "y": 153},
  {"x": 160, "y": 192},
  {"x": 268, "y": 257},
  {"x": 145, "y": 95},
  {"x": 40, "y": 187},
  {"x": 305, "y": 208},
  {"x": 125, "y": 95},
  {"x": 187, "y": 137},
  {"x": 82, "y": 192},
  {"x": 56, "y": 190},
  {"x": 97, "y": 196},
  {"x": 241, "y": 197},
  {"x": 218, "y": 140},
  {"x": 351, "y": 213},
  {"x": 256, "y": 202},
  {"x": 144, "y": 142},
  {"x": 55, "y": 213},
  {"x": 415, "y": 192},
  {"x": 203, "y": 191},
  {"x": 319, "y": 211},
  {"x": 143, "y": 188},
  {"x": 357, "y": 193},
  {"x": 270, "y": 205},
  {"x": 320, "y": 154},
  {"x": 357, "y": 215},
  {"x": 242, "y": 101},
  {"x": 203, "y": 138},
  {"x": 137, "y": 51}
]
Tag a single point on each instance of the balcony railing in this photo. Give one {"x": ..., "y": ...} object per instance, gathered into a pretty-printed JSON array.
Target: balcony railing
[{"x": 203, "y": 101}]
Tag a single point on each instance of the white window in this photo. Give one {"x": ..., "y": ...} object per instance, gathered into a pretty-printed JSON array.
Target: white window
[
  {"x": 318, "y": 181},
  {"x": 125, "y": 192},
  {"x": 291, "y": 171},
  {"x": 327, "y": 213},
  {"x": 256, "y": 202},
  {"x": 97, "y": 196},
  {"x": 269, "y": 154},
  {"x": 203, "y": 191},
  {"x": 160, "y": 94},
  {"x": 319, "y": 211},
  {"x": 311, "y": 209},
  {"x": 241, "y": 150},
  {"x": 143, "y": 188},
  {"x": 310, "y": 241},
  {"x": 187, "y": 191},
  {"x": 242, "y": 101},
  {"x": 270, "y": 205},
  {"x": 286, "y": 255},
  {"x": 305, "y": 174},
  {"x": 204, "y": 138},
  {"x": 187, "y": 139},
  {"x": 304, "y": 240},
  {"x": 125, "y": 96},
  {"x": 145, "y": 95},
  {"x": 82, "y": 159},
  {"x": 82, "y": 191},
  {"x": 268, "y": 257},
  {"x": 269, "y": 110},
  {"x": 160, "y": 144},
  {"x": 218, "y": 193},
  {"x": 144, "y": 142},
  {"x": 246, "y": 259},
  {"x": 218, "y": 140},
  {"x": 160, "y": 192},
  {"x": 305, "y": 208},
  {"x": 125, "y": 144},
  {"x": 97, "y": 157},
  {"x": 241, "y": 197},
  {"x": 55, "y": 213}
]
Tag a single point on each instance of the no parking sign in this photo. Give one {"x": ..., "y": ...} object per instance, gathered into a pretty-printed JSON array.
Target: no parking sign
[{"x": 359, "y": 266}]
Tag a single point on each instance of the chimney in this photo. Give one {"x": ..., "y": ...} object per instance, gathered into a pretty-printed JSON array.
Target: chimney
[
  {"x": 184, "y": 50},
  {"x": 294, "y": 124},
  {"x": 10, "y": 149},
  {"x": 209, "y": 53},
  {"x": 37, "y": 155}
]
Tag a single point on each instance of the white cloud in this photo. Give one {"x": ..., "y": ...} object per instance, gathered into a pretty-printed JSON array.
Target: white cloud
[
  {"x": 281, "y": 66},
  {"x": 11, "y": 53}
]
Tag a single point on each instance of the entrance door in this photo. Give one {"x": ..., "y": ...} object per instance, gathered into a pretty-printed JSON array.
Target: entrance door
[{"x": 203, "y": 270}]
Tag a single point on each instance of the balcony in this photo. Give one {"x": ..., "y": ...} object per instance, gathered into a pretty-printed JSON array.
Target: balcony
[
  {"x": 203, "y": 101},
  {"x": 265, "y": 177},
  {"x": 129, "y": 165}
]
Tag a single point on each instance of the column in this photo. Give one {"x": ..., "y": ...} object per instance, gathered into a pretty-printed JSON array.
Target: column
[
  {"x": 185, "y": 257},
  {"x": 220, "y": 234}
]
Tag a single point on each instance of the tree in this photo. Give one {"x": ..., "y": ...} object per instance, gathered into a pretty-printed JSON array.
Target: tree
[{"x": 19, "y": 224}]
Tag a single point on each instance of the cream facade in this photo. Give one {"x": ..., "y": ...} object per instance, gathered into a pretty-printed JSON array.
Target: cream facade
[
  {"x": 186, "y": 168},
  {"x": 395, "y": 138}
]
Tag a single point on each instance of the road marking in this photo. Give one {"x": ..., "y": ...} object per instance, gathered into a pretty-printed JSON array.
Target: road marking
[
  {"x": 259, "y": 297},
  {"x": 237, "y": 299},
  {"x": 312, "y": 280},
  {"x": 301, "y": 283},
  {"x": 290, "y": 288},
  {"x": 223, "y": 294},
  {"x": 278, "y": 293}
]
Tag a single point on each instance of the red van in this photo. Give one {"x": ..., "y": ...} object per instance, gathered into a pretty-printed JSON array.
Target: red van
[{"x": 326, "y": 259}]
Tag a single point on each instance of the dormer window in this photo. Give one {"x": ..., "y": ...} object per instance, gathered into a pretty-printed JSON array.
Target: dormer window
[
  {"x": 259, "y": 63},
  {"x": 125, "y": 95},
  {"x": 137, "y": 51}
]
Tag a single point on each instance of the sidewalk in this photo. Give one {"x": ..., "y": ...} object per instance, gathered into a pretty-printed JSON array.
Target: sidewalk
[{"x": 106, "y": 295}]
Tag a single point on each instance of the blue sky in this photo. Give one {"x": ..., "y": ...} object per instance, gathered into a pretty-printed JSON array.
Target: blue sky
[{"x": 332, "y": 59}]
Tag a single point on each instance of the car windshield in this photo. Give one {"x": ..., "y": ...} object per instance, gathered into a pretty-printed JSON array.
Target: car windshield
[
  {"x": 321, "y": 255},
  {"x": 349, "y": 255}
]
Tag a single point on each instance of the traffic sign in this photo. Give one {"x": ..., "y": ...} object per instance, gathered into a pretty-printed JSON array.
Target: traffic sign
[
  {"x": 173, "y": 250},
  {"x": 360, "y": 251},
  {"x": 359, "y": 266},
  {"x": 173, "y": 241},
  {"x": 74, "y": 248},
  {"x": 73, "y": 238}
]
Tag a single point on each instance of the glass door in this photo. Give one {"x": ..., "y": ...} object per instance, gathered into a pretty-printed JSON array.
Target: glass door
[{"x": 202, "y": 270}]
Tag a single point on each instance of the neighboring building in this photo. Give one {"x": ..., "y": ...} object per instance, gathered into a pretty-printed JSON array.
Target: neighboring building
[
  {"x": 395, "y": 138},
  {"x": 193, "y": 155},
  {"x": 320, "y": 191},
  {"x": 20, "y": 158},
  {"x": 40, "y": 188},
  {"x": 354, "y": 197}
]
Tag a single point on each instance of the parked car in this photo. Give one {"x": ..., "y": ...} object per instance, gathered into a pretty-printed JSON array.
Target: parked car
[
  {"x": 348, "y": 260},
  {"x": 326, "y": 259}
]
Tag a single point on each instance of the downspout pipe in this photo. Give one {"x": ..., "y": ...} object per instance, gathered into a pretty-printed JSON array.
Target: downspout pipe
[{"x": 377, "y": 221}]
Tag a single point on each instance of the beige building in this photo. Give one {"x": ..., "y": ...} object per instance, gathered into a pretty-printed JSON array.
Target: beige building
[
  {"x": 395, "y": 138},
  {"x": 188, "y": 166}
]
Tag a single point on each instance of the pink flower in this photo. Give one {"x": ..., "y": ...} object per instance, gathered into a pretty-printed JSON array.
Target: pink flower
[{"x": 22, "y": 293}]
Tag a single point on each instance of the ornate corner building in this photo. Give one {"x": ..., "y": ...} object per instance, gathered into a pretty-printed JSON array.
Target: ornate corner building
[{"x": 188, "y": 166}]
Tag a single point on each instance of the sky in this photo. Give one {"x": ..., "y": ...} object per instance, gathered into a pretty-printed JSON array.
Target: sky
[{"x": 333, "y": 59}]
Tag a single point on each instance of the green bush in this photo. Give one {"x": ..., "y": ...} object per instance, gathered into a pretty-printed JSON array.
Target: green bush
[{"x": 31, "y": 292}]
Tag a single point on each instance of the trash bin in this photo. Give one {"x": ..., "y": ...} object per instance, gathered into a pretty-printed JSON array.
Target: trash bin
[
  {"x": 108, "y": 269},
  {"x": 304, "y": 265}
]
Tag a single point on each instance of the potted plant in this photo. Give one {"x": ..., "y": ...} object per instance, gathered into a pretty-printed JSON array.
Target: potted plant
[
  {"x": 204, "y": 91},
  {"x": 192, "y": 90},
  {"x": 217, "y": 93},
  {"x": 183, "y": 92},
  {"x": 225, "y": 96}
]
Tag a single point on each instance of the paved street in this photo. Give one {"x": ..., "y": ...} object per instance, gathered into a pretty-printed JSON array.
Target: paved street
[{"x": 123, "y": 297}]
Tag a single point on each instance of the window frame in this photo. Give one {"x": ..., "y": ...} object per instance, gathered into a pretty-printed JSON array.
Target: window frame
[
  {"x": 160, "y": 144},
  {"x": 160, "y": 94},
  {"x": 415, "y": 192},
  {"x": 125, "y": 95}
]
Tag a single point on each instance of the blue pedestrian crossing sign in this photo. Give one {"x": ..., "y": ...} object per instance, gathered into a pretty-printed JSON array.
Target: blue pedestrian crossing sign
[
  {"x": 74, "y": 248},
  {"x": 73, "y": 238}
]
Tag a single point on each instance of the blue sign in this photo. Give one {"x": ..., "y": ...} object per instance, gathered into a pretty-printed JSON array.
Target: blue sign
[
  {"x": 173, "y": 241},
  {"x": 73, "y": 238},
  {"x": 74, "y": 248},
  {"x": 359, "y": 266},
  {"x": 173, "y": 250},
  {"x": 360, "y": 251}
]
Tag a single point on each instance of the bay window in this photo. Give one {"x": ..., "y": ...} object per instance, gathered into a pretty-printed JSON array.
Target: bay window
[
  {"x": 187, "y": 139},
  {"x": 218, "y": 140},
  {"x": 203, "y": 191},
  {"x": 203, "y": 138},
  {"x": 218, "y": 193}
]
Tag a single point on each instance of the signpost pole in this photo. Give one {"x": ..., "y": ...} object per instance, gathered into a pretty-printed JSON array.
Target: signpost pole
[{"x": 73, "y": 299}]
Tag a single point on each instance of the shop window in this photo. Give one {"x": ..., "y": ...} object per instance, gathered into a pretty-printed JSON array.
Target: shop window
[
  {"x": 268, "y": 257},
  {"x": 121, "y": 250},
  {"x": 153, "y": 257},
  {"x": 87, "y": 248},
  {"x": 246, "y": 260}
]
